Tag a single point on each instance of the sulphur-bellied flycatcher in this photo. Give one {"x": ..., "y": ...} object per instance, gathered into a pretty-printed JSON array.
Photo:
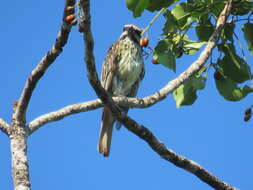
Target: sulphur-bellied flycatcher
[{"x": 123, "y": 69}]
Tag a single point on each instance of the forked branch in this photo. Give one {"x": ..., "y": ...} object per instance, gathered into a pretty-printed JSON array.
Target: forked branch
[
  {"x": 146, "y": 101},
  {"x": 46, "y": 61},
  {"x": 133, "y": 126},
  {"x": 18, "y": 133}
]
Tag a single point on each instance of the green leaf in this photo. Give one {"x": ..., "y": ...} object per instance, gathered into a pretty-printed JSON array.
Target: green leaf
[
  {"x": 164, "y": 55},
  {"x": 198, "y": 82},
  {"x": 155, "y": 5},
  {"x": 162, "y": 46},
  {"x": 218, "y": 7},
  {"x": 232, "y": 65},
  {"x": 186, "y": 93},
  {"x": 229, "y": 90},
  {"x": 137, "y": 6},
  {"x": 241, "y": 7},
  {"x": 170, "y": 24},
  {"x": 167, "y": 59},
  {"x": 204, "y": 30},
  {"x": 191, "y": 47},
  {"x": 248, "y": 35},
  {"x": 181, "y": 13},
  {"x": 227, "y": 33}
]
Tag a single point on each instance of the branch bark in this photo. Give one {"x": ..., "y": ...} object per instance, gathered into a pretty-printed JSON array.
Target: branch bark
[
  {"x": 61, "y": 113},
  {"x": 137, "y": 102},
  {"x": 4, "y": 127},
  {"x": 133, "y": 126},
  {"x": 18, "y": 132},
  {"x": 20, "y": 165},
  {"x": 41, "y": 68}
]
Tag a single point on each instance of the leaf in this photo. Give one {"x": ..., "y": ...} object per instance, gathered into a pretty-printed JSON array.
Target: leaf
[
  {"x": 241, "y": 7},
  {"x": 218, "y": 7},
  {"x": 164, "y": 55},
  {"x": 137, "y": 6},
  {"x": 162, "y": 46},
  {"x": 170, "y": 24},
  {"x": 248, "y": 35},
  {"x": 167, "y": 59},
  {"x": 186, "y": 93},
  {"x": 181, "y": 13},
  {"x": 229, "y": 90},
  {"x": 198, "y": 82},
  {"x": 155, "y": 5},
  {"x": 191, "y": 47},
  {"x": 232, "y": 65},
  {"x": 204, "y": 30},
  {"x": 227, "y": 33}
]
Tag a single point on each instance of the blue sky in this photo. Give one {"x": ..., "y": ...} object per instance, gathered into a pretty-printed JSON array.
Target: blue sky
[{"x": 63, "y": 155}]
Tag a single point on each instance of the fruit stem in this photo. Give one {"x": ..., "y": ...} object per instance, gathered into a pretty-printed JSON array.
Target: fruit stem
[{"x": 153, "y": 20}]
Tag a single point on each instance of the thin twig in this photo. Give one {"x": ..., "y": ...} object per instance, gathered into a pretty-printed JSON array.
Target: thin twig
[
  {"x": 133, "y": 126},
  {"x": 46, "y": 61},
  {"x": 153, "y": 20},
  {"x": 4, "y": 126}
]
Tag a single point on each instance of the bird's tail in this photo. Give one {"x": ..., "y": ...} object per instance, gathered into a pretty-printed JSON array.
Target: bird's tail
[{"x": 105, "y": 136}]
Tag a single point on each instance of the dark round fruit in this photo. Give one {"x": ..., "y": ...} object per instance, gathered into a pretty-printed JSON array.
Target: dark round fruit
[
  {"x": 248, "y": 111},
  {"x": 247, "y": 117},
  {"x": 218, "y": 75},
  {"x": 155, "y": 62}
]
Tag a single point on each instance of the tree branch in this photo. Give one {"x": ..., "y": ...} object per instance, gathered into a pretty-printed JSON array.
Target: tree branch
[
  {"x": 61, "y": 113},
  {"x": 4, "y": 127},
  {"x": 133, "y": 126},
  {"x": 137, "y": 102},
  {"x": 46, "y": 61},
  {"x": 77, "y": 108},
  {"x": 194, "y": 67}
]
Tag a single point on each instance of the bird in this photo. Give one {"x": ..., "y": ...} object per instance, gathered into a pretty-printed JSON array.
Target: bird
[{"x": 122, "y": 72}]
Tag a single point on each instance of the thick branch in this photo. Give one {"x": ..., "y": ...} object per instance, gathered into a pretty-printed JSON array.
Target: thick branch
[
  {"x": 133, "y": 126},
  {"x": 4, "y": 127},
  {"x": 41, "y": 68},
  {"x": 20, "y": 165},
  {"x": 18, "y": 132}
]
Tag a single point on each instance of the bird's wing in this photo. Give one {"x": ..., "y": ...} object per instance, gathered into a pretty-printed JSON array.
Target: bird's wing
[
  {"x": 109, "y": 71},
  {"x": 110, "y": 65},
  {"x": 135, "y": 87}
]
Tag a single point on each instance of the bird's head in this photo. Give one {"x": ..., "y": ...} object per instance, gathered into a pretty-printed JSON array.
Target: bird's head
[{"x": 131, "y": 31}]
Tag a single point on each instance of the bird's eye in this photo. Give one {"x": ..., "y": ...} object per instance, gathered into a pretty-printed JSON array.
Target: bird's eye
[{"x": 125, "y": 28}]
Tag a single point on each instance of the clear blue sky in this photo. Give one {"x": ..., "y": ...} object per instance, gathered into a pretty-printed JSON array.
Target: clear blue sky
[{"x": 63, "y": 155}]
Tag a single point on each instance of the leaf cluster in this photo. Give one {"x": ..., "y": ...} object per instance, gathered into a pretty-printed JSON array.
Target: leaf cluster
[{"x": 231, "y": 71}]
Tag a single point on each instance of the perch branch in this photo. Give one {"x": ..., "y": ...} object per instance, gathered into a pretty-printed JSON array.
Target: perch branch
[
  {"x": 133, "y": 126},
  {"x": 77, "y": 108},
  {"x": 140, "y": 102},
  {"x": 61, "y": 113},
  {"x": 40, "y": 69}
]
